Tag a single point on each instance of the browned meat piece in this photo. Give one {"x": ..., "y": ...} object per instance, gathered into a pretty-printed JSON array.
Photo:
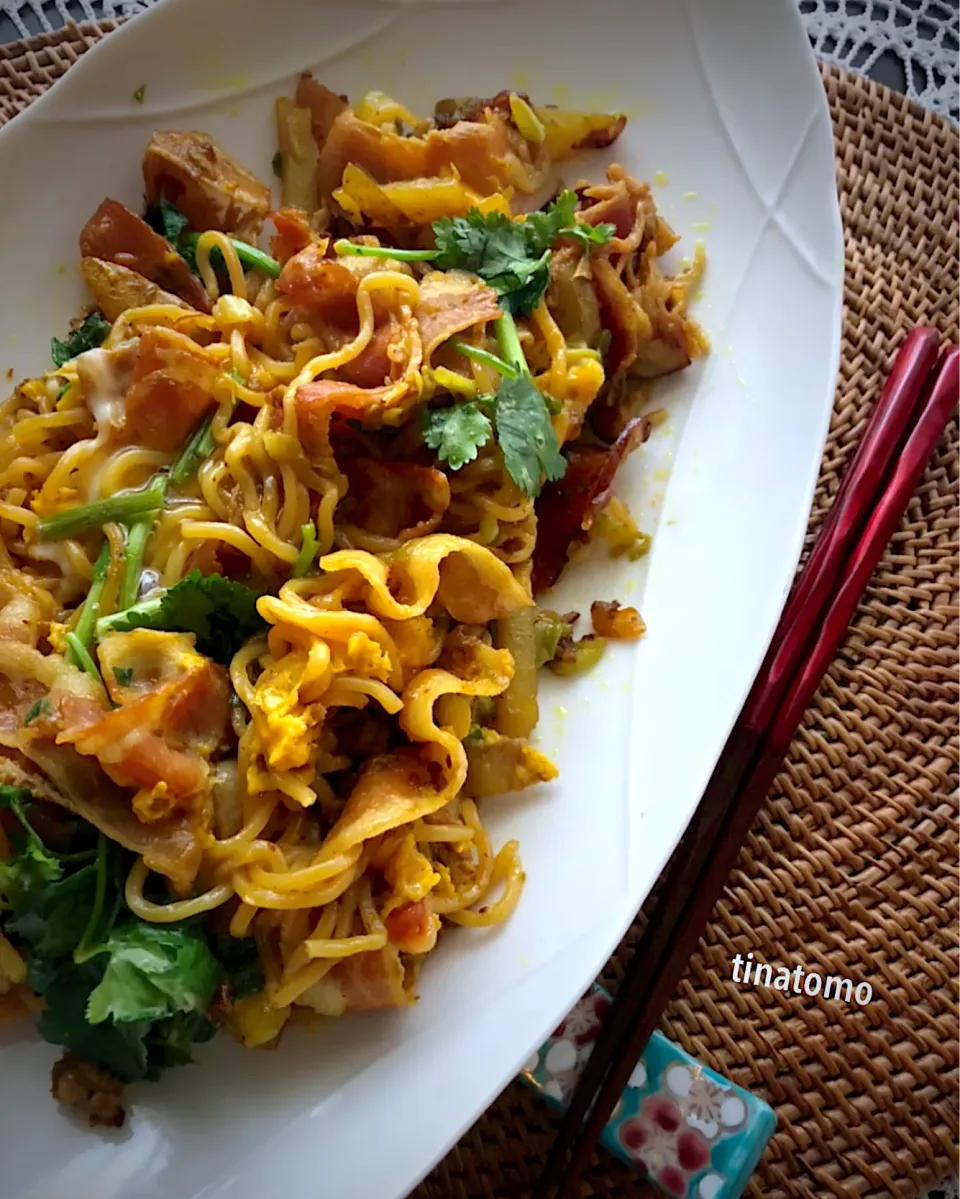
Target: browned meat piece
[
  {"x": 95, "y": 1092},
  {"x": 207, "y": 185},
  {"x": 566, "y": 509},
  {"x": 115, "y": 234}
]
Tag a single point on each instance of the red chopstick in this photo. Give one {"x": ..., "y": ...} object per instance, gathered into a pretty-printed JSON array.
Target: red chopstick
[
  {"x": 883, "y": 436},
  {"x": 750, "y": 762}
]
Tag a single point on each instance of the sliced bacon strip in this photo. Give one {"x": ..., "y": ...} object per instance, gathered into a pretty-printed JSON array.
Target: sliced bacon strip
[
  {"x": 171, "y": 389},
  {"x": 317, "y": 402},
  {"x": 166, "y": 722},
  {"x": 373, "y": 365},
  {"x": 566, "y": 509},
  {"x": 115, "y": 234},
  {"x": 450, "y": 302}
]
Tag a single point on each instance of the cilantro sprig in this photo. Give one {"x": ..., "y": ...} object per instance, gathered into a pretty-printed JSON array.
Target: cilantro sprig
[
  {"x": 222, "y": 613},
  {"x": 519, "y": 415},
  {"x": 128, "y": 996},
  {"x": 90, "y": 333},
  {"x": 513, "y": 256}
]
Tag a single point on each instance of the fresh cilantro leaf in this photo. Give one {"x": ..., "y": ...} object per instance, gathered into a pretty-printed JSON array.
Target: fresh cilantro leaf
[
  {"x": 169, "y": 1041},
  {"x": 513, "y": 256},
  {"x": 475, "y": 734},
  {"x": 522, "y": 299},
  {"x": 153, "y": 971},
  {"x": 32, "y": 867},
  {"x": 167, "y": 220},
  {"x": 526, "y": 436},
  {"x": 27, "y": 873},
  {"x": 123, "y": 675},
  {"x": 90, "y": 333},
  {"x": 545, "y": 225},
  {"x": 223, "y": 614},
  {"x": 118, "y": 1048},
  {"x": 559, "y": 219},
  {"x": 456, "y": 433},
  {"x": 240, "y": 960},
  {"x": 590, "y": 235},
  {"x": 40, "y": 707},
  {"x": 500, "y": 251},
  {"x": 53, "y": 921},
  {"x": 13, "y": 797}
]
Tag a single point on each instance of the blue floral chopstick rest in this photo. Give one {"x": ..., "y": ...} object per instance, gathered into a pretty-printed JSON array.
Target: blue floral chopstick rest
[{"x": 687, "y": 1129}]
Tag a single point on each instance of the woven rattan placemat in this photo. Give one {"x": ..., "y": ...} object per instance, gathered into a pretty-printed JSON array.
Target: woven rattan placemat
[{"x": 851, "y": 869}]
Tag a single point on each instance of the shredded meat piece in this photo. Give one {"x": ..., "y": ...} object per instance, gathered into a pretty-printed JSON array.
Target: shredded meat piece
[
  {"x": 92, "y": 1090},
  {"x": 619, "y": 624},
  {"x": 115, "y": 234},
  {"x": 207, "y": 185},
  {"x": 373, "y": 366}
]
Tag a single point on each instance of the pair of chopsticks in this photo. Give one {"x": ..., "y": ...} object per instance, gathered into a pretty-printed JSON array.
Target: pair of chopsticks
[{"x": 894, "y": 450}]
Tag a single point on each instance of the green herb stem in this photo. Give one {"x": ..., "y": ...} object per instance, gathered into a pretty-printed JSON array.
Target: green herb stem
[
  {"x": 122, "y": 508},
  {"x": 250, "y": 256},
  {"x": 135, "y": 546},
  {"x": 345, "y": 247},
  {"x": 308, "y": 550},
  {"x": 508, "y": 339},
  {"x": 90, "y": 613},
  {"x": 82, "y": 657},
  {"x": 485, "y": 358},
  {"x": 90, "y": 943},
  {"x": 200, "y": 446}
]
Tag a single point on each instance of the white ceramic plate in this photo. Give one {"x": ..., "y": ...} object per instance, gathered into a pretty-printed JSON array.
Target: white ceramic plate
[{"x": 728, "y": 114}]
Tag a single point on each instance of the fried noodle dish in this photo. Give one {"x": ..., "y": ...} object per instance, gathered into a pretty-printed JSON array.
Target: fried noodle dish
[{"x": 273, "y": 529}]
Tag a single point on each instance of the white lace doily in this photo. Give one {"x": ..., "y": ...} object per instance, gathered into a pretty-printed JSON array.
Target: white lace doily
[
  {"x": 911, "y": 45},
  {"x": 913, "y": 42}
]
